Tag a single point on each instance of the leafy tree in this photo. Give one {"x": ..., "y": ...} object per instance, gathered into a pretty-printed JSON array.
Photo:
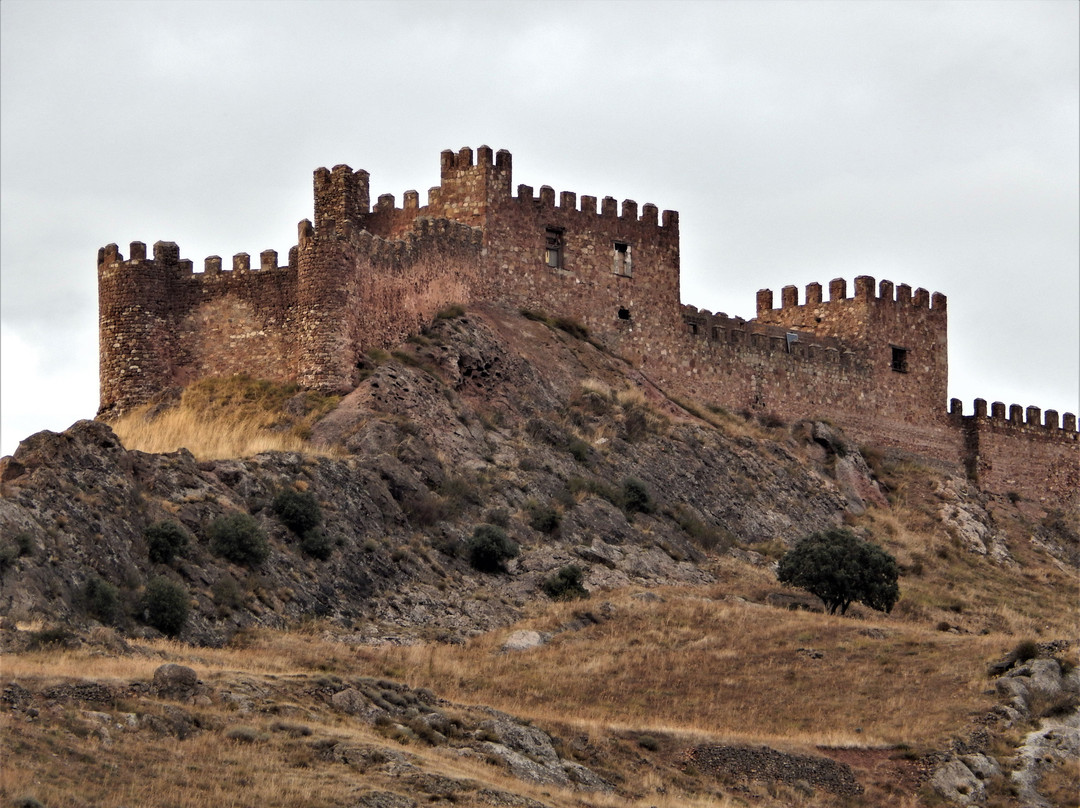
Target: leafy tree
[
  {"x": 839, "y": 567},
  {"x": 165, "y": 605},
  {"x": 102, "y": 600}
]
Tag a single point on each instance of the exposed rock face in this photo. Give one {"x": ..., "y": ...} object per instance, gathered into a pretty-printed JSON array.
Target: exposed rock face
[
  {"x": 763, "y": 763},
  {"x": 1037, "y": 690}
]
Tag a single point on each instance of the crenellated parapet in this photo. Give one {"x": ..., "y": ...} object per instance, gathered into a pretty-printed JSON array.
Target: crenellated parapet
[
  {"x": 1022, "y": 420},
  {"x": 815, "y": 309},
  {"x": 609, "y": 210},
  {"x": 1021, "y": 451},
  {"x": 722, "y": 332}
]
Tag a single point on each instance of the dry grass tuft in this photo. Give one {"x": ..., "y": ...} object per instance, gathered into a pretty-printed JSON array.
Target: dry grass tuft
[{"x": 222, "y": 418}]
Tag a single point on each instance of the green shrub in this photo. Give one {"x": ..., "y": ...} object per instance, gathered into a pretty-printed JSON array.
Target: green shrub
[
  {"x": 8, "y": 554},
  {"x": 21, "y": 544},
  {"x": 164, "y": 540},
  {"x": 102, "y": 600},
  {"x": 580, "y": 450},
  {"x": 424, "y": 509},
  {"x": 317, "y": 544},
  {"x": 165, "y": 605},
  {"x": 635, "y": 495},
  {"x": 299, "y": 510},
  {"x": 543, "y": 518},
  {"x": 489, "y": 548},
  {"x": 839, "y": 567},
  {"x": 238, "y": 538},
  {"x": 648, "y": 742},
  {"x": 566, "y": 584},
  {"x": 24, "y": 543}
]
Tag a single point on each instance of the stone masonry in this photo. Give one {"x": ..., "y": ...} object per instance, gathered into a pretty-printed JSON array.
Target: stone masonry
[{"x": 364, "y": 276}]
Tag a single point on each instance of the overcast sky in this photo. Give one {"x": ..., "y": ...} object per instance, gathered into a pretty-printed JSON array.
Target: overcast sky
[{"x": 930, "y": 143}]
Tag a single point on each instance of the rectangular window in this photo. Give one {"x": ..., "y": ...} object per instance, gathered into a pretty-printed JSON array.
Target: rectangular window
[
  {"x": 622, "y": 264},
  {"x": 553, "y": 251},
  {"x": 899, "y": 359}
]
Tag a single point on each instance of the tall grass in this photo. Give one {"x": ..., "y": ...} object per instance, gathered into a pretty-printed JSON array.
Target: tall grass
[{"x": 232, "y": 417}]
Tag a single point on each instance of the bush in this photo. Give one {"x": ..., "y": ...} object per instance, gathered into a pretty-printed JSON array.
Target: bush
[
  {"x": 299, "y": 510},
  {"x": 1025, "y": 650},
  {"x": 636, "y": 497},
  {"x": 489, "y": 548},
  {"x": 238, "y": 538},
  {"x": 839, "y": 567},
  {"x": 566, "y": 584},
  {"x": 102, "y": 600},
  {"x": 21, "y": 544},
  {"x": 165, "y": 540},
  {"x": 165, "y": 606},
  {"x": 317, "y": 544},
  {"x": 8, "y": 554},
  {"x": 543, "y": 518},
  {"x": 580, "y": 450}
]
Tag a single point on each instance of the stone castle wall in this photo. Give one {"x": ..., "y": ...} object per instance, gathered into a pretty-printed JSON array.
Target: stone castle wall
[{"x": 364, "y": 276}]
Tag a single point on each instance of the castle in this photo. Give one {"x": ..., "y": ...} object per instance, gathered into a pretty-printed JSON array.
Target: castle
[{"x": 363, "y": 276}]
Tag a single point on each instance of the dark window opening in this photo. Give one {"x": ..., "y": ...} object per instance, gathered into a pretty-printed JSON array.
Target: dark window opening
[
  {"x": 899, "y": 359},
  {"x": 622, "y": 265},
  {"x": 693, "y": 327},
  {"x": 553, "y": 250},
  {"x": 624, "y": 314},
  {"x": 716, "y": 333}
]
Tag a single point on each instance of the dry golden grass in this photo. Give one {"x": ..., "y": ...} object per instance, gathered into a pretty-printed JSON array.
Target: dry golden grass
[
  {"x": 724, "y": 669},
  {"x": 227, "y": 418}
]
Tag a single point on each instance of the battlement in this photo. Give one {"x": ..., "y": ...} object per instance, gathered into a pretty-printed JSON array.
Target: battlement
[
  {"x": 166, "y": 255},
  {"x": 1026, "y": 419},
  {"x": 427, "y": 233},
  {"x": 568, "y": 202},
  {"x": 722, "y": 331},
  {"x": 887, "y": 292}
]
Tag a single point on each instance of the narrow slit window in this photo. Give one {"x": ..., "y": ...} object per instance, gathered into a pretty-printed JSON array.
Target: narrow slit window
[
  {"x": 899, "y": 359},
  {"x": 553, "y": 250},
  {"x": 623, "y": 265}
]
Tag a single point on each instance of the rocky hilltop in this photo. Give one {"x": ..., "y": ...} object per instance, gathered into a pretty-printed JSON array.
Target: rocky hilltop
[
  {"x": 516, "y": 425},
  {"x": 489, "y": 418}
]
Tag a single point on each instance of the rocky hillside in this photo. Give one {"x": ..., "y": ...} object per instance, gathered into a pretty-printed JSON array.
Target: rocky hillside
[
  {"x": 489, "y": 418},
  {"x": 514, "y": 431}
]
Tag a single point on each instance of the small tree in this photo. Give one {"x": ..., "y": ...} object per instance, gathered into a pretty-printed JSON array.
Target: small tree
[
  {"x": 166, "y": 605},
  {"x": 839, "y": 567}
]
